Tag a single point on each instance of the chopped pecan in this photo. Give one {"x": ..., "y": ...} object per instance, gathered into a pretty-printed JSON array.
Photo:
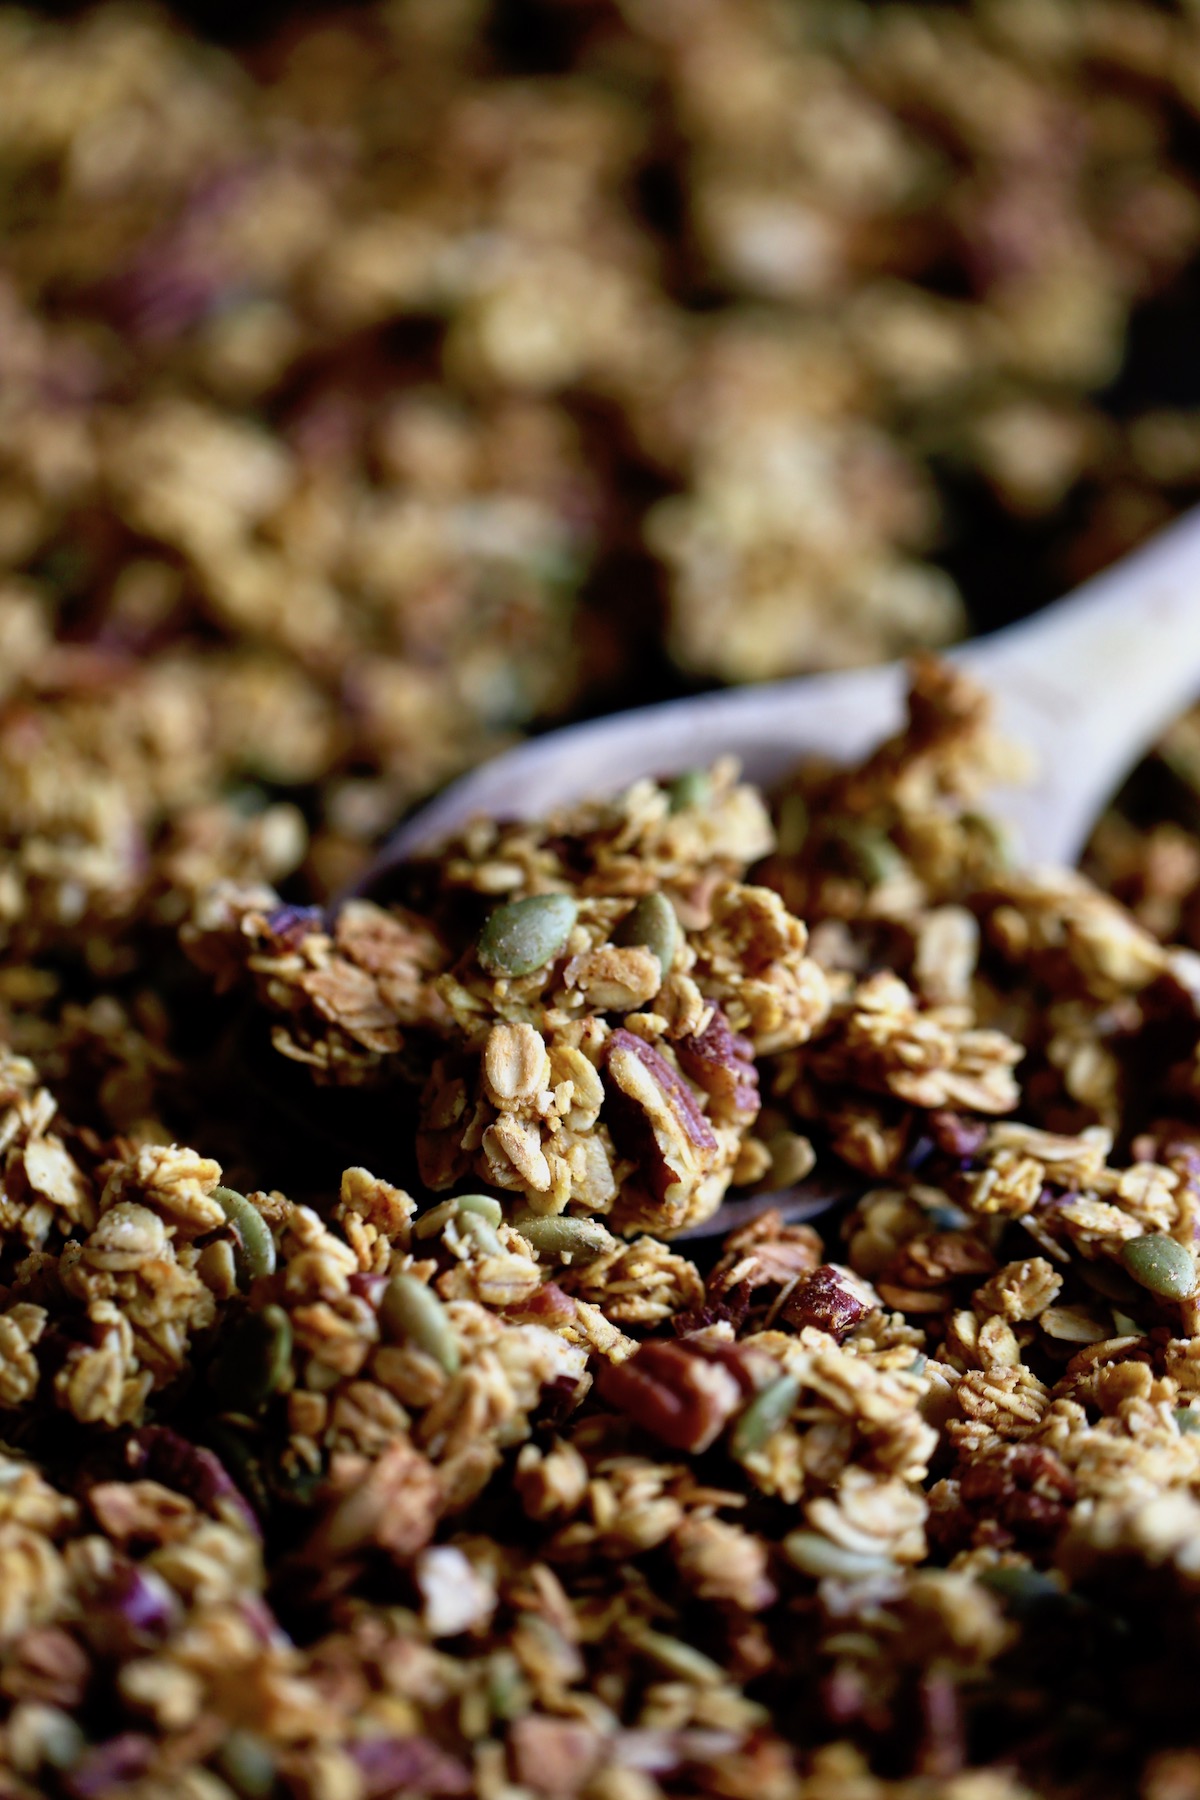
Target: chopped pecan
[
  {"x": 832, "y": 1299},
  {"x": 396, "y": 1765},
  {"x": 681, "y": 1393},
  {"x": 765, "y": 1253},
  {"x": 655, "y": 1118},
  {"x": 721, "y": 1061}
]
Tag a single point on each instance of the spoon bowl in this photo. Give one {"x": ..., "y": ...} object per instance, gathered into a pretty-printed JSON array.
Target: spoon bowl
[{"x": 1086, "y": 686}]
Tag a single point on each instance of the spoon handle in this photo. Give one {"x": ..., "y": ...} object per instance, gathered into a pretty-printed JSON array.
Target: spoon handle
[{"x": 1089, "y": 683}]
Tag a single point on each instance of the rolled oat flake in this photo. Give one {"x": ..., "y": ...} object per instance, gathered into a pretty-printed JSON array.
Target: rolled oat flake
[
  {"x": 1161, "y": 1265},
  {"x": 524, "y": 935}
]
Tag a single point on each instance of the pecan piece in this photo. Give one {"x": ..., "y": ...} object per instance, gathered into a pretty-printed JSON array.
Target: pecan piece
[
  {"x": 677, "y": 1391},
  {"x": 655, "y": 1118},
  {"x": 721, "y": 1061},
  {"x": 831, "y": 1298}
]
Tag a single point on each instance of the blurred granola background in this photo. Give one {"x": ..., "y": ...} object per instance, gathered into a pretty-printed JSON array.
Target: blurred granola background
[{"x": 377, "y": 385}]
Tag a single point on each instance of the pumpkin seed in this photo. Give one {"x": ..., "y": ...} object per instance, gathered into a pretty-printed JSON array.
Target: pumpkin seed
[
  {"x": 254, "y": 1247},
  {"x": 524, "y": 935},
  {"x": 652, "y": 923},
  {"x": 868, "y": 853},
  {"x": 815, "y": 1555},
  {"x": 481, "y": 1232},
  {"x": 1107, "y": 1279},
  {"x": 410, "y": 1310},
  {"x": 691, "y": 788},
  {"x": 248, "y": 1764},
  {"x": 1188, "y": 1419},
  {"x": 483, "y": 1204},
  {"x": 770, "y": 1408},
  {"x": 255, "y": 1360},
  {"x": 1161, "y": 1265},
  {"x": 791, "y": 827},
  {"x": 1022, "y": 1589},
  {"x": 563, "y": 1236}
]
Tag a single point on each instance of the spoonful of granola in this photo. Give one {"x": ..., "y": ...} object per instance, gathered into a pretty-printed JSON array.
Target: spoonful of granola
[{"x": 614, "y": 1013}]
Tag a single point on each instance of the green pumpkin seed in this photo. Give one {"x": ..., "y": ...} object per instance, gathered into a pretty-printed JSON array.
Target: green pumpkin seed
[
  {"x": 769, "y": 1409},
  {"x": 1023, "y": 1590},
  {"x": 791, "y": 829},
  {"x": 430, "y": 1223},
  {"x": 254, "y": 1247},
  {"x": 1107, "y": 1279},
  {"x": 524, "y": 935},
  {"x": 818, "y": 1556},
  {"x": 255, "y": 1360},
  {"x": 411, "y": 1311},
  {"x": 1188, "y": 1420},
  {"x": 1161, "y": 1265},
  {"x": 248, "y": 1764},
  {"x": 868, "y": 852},
  {"x": 653, "y": 924},
  {"x": 481, "y": 1233},
  {"x": 692, "y": 788},
  {"x": 560, "y": 1235},
  {"x": 483, "y": 1204}
]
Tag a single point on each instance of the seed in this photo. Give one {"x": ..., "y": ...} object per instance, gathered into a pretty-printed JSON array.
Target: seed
[
  {"x": 483, "y": 1204},
  {"x": 678, "y": 1658},
  {"x": 691, "y": 788},
  {"x": 1188, "y": 1420},
  {"x": 1107, "y": 1279},
  {"x": 791, "y": 827},
  {"x": 868, "y": 852},
  {"x": 524, "y": 935},
  {"x": 489, "y": 1212},
  {"x": 430, "y": 1223},
  {"x": 482, "y": 1233},
  {"x": 815, "y": 1555},
  {"x": 560, "y": 1235},
  {"x": 651, "y": 922},
  {"x": 248, "y": 1764},
  {"x": 1022, "y": 1589},
  {"x": 1160, "y": 1264},
  {"x": 412, "y": 1310},
  {"x": 769, "y": 1409},
  {"x": 254, "y": 1247},
  {"x": 255, "y": 1360}
]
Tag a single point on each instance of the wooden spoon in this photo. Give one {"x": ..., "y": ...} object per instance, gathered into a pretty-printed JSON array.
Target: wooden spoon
[{"x": 1086, "y": 686}]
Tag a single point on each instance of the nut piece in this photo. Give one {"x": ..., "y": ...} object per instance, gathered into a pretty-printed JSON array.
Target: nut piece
[
  {"x": 664, "y": 1128},
  {"x": 720, "y": 1061},
  {"x": 675, "y": 1392},
  {"x": 524, "y": 935},
  {"x": 1161, "y": 1265},
  {"x": 832, "y": 1299}
]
